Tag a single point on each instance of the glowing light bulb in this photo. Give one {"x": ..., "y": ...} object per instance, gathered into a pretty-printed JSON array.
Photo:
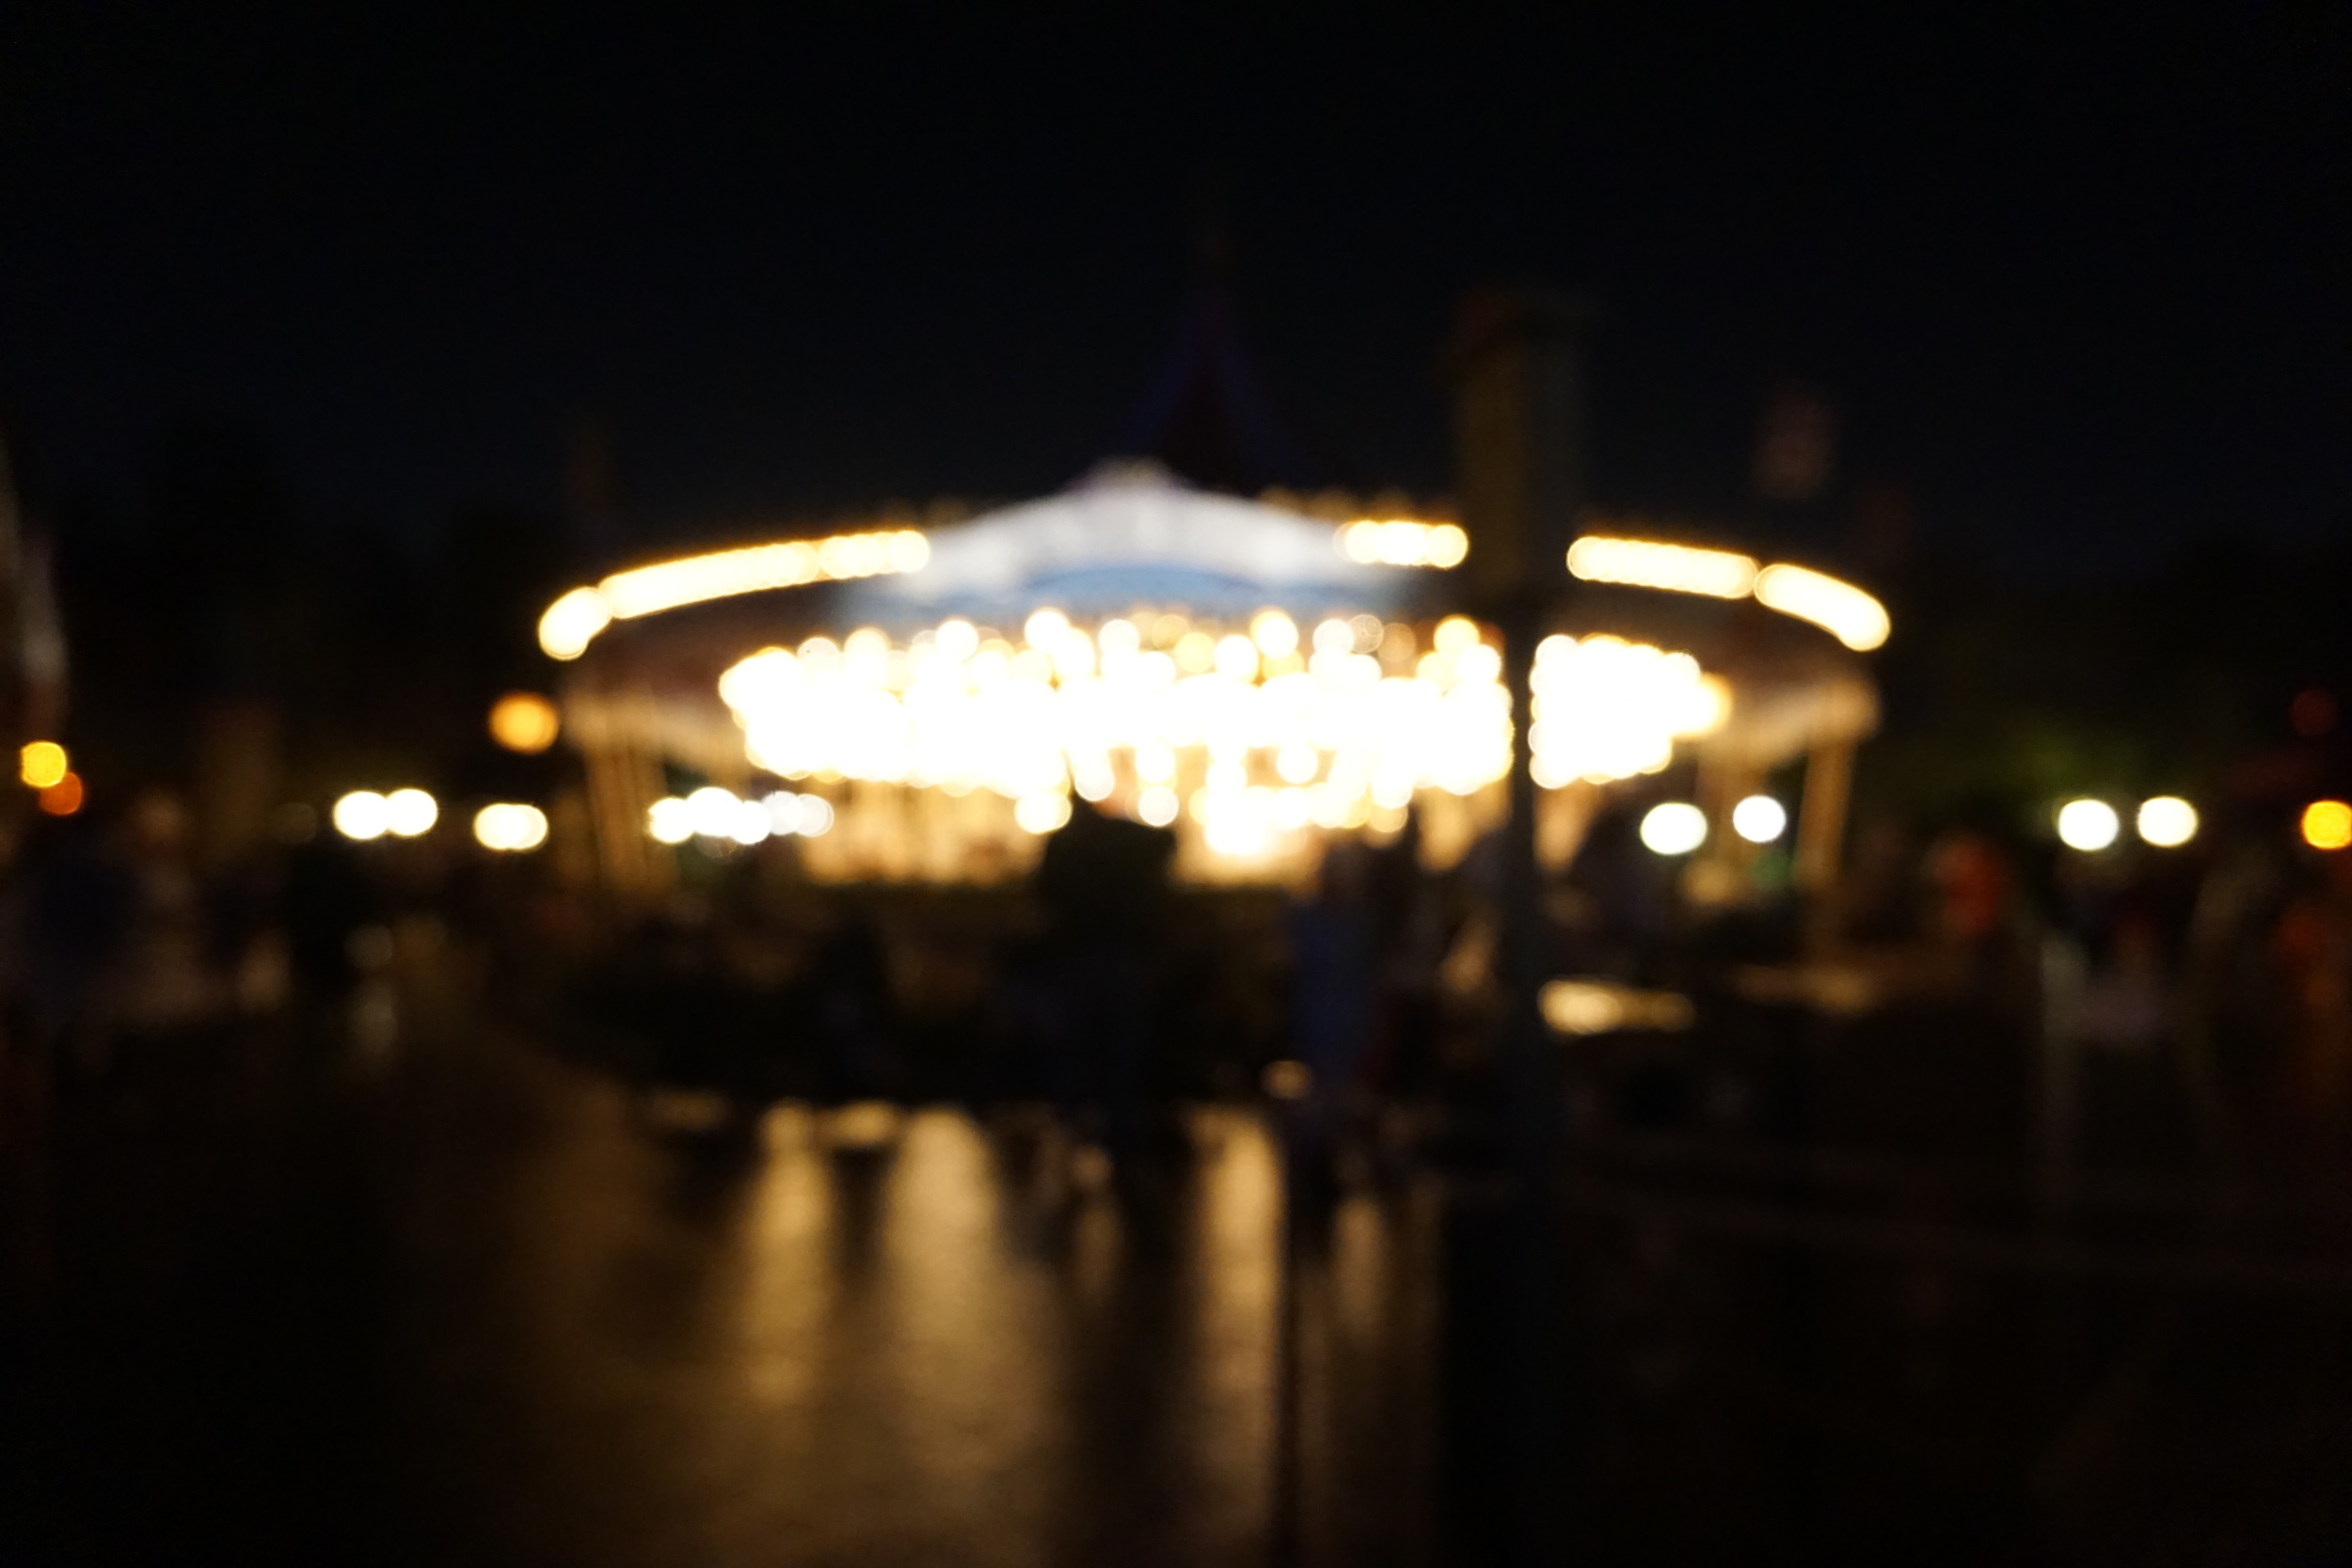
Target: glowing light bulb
[
  {"x": 1759, "y": 819},
  {"x": 2166, "y": 821},
  {"x": 2088, "y": 825},
  {"x": 1674, "y": 827}
]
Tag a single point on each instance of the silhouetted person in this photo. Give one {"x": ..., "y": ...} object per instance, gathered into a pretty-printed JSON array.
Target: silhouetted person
[
  {"x": 1334, "y": 979},
  {"x": 852, "y": 973},
  {"x": 1103, "y": 882},
  {"x": 328, "y": 899}
]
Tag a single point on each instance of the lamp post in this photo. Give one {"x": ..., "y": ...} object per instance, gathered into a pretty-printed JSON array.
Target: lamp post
[{"x": 1516, "y": 367}]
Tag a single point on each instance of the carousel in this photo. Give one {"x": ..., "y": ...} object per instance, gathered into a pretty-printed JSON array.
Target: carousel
[{"x": 923, "y": 702}]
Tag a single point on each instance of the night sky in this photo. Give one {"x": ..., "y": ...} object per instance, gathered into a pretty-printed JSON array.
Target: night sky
[{"x": 2080, "y": 288}]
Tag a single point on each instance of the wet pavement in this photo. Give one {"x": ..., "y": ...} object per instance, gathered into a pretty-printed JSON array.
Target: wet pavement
[
  {"x": 475, "y": 1305},
  {"x": 453, "y": 1301}
]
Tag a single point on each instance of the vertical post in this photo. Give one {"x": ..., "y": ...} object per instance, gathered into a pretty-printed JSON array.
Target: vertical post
[
  {"x": 1519, "y": 422},
  {"x": 1821, "y": 815}
]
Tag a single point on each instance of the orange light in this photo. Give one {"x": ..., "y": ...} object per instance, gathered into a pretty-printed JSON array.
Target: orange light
[
  {"x": 64, "y": 797},
  {"x": 2328, "y": 825},
  {"x": 40, "y": 764},
  {"x": 524, "y": 722}
]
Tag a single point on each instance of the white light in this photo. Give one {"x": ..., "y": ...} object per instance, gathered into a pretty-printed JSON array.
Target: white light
[
  {"x": 1678, "y": 568},
  {"x": 752, "y": 822},
  {"x": 1275, "y": 633},
  {"x": 1759, "y": 819},
  {"x": 1041, "y": 812},
  {"x": 1046, "y": 630},
  {"x": 2087, "y": 825},
  {"x": 573, "y": 621},
  {"x": 669, "y": 820},
  {"x": 1674, "y": 827},
  {"x": 510, "y": 827},
  {"x": 1297, "y": 763},
  {"x": 1156, "y": 805},
  {"x": 2166, "y": 821},
  {"x": 710, "y": 812},
  {"x": 1156, "y": 763},
  {"x": 362, "y": 814},
  {"x": 815, "y": 815},
  {"x": 410, "y": 811},
  {"x": 1847, "y": 613},
  {"x": 959, "y": 639},
  {"x": 784, "y": 811}
]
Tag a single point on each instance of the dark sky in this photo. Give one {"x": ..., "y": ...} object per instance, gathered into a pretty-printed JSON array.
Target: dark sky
[{"x": 2081, "y": 286}]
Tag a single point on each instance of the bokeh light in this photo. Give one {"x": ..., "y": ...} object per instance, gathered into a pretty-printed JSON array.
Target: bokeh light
[
  {"x": 362, "y": 814},
  {"x": 410, "y": 812},
  {"x": 2328, "y": 825},
  {"x": 42, "y": 764},
  {"x": 1759, "y": 819},
  {"x": 510, "y": 827},
  {"x": 63, "y": 798},
  {"x": 1674, "y": 827},
  {"x": 2166, "y": 821},
  {"x": 524, "y": 722},
  {"x": 2088, "y": 825}
]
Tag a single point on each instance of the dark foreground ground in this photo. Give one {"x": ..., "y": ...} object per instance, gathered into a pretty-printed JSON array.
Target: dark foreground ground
[{"x": 454, "y": 1302}]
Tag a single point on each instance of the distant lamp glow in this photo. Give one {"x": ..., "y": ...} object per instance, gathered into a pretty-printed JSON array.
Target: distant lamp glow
[
  {"x": 524, "y": 722},
  {"x": 1840, "y": 609},
  {"x": 1603, "y": 1006},
  {"x": 573, "y": 621},
  {"x": 509, "y": 827},
  {"x": 410, "y": 812},
  {"x": 668, "y": 821},
  {"x": 711, "y": 812},
  {"x": 1156, "y": 806},
  {"x": 1678, "y": 568},
  {"x": 63, "y": 798},
  {"x": 1674, "y": 827},
  {"x": 2166, "y": 821},
  {"x": 1275, "y": 633},
  {"x": 42, "y": 764},
  {"x": 2088, "y": 825},
  {"x": 1041, "y": 810},
  {"x": 362, "y": 814},
  {"x": 1759, "y": 819},
  {"x": 2328, "y": 825}
]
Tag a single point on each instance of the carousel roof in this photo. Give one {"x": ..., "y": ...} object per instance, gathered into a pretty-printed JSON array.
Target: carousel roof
[{"x": 1131, "y": 534}]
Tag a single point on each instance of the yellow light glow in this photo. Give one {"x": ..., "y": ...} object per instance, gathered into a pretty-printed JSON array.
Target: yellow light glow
[
  {"x": 668, "y": 821},
  {"x": 524, "y": 722},
  {"x": 1604, "y": 1006},
  {"x": 410, "y": 812},
  {"x": 1678, "y": 568},
  {"x": 42, "y": 764},
  {"x": 1674, "y": 827},
  {"x": 2088, "y": 825},
  {"x": 1275, "y": 633},
  {"x": 1041, "y": 812},
  {"x": 510, "y": 827},
  {"x": 1403, "y": 542},
  {"x": 2166, "y": 821},
  {"x": 1759, "y": 819},
  {"x": 1339, "y": 742},
  {"x": 2328, "y": 825},
  {"x": 1845, "y": 611},
  {"x": 1046, "y": 630},
  {"x": 362, "y": 814},
  {"x": 574, "y": 620}
]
